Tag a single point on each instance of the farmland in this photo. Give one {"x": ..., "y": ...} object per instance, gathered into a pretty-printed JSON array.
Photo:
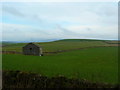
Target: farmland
[
  {"x": 67, "y": 44},
  {"x": 98, "y": 64}
]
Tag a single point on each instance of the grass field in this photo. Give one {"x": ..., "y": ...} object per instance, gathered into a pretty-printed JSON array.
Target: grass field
[
  {"x": 95, "y": 64},
  {"x": 57, "y": 45}
]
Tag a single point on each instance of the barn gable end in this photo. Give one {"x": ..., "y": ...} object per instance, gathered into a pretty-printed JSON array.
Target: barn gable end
[{"x": 32, "y": 49}]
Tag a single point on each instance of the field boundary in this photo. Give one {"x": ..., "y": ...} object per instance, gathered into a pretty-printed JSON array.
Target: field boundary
[{"x": 19, "y": 79}]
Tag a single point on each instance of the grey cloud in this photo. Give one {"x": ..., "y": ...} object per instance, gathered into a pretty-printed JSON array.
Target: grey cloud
[
  {"x": 36, "y": 17},
  {"x": 12, "y": 11},
  {"x": 66, "y": 31},
  {"x": 88, "y": 29},
  {"x": 107, "y": 10}
]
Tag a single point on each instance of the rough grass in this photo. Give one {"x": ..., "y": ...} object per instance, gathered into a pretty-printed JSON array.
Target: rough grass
[{"x": 94, "y": 64}]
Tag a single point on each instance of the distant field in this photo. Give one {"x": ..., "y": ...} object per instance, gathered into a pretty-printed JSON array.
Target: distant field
[
  {"x": 95, "y": 64},
  {"x": 66, "y": 44}
]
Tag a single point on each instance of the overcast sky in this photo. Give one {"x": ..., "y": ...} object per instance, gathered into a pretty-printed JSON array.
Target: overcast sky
[{"x": 62, "y": 20}]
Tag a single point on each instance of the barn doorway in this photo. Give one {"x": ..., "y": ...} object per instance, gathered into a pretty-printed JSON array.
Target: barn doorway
[{"x": 30, "y": 49}]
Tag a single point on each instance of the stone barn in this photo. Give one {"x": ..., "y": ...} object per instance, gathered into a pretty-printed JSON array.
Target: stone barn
[{"x": 32, "y": 49}]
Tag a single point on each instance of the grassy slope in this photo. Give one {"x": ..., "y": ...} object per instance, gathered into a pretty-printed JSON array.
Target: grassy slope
[
  {"x": 96, "y": 64},
  {"x": 58, "y": 45}
]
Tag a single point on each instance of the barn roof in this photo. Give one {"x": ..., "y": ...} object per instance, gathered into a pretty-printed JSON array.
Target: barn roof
[{"x": 33, "y": 44}]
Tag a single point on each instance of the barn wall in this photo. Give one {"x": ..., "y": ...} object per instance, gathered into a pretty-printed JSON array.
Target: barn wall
[{"x": 35, "y": 50}]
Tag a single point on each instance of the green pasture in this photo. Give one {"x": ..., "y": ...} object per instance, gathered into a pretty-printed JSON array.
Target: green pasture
[
  {"x": 66, "y": 44},
  {"x": 94, "y": 64}
]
